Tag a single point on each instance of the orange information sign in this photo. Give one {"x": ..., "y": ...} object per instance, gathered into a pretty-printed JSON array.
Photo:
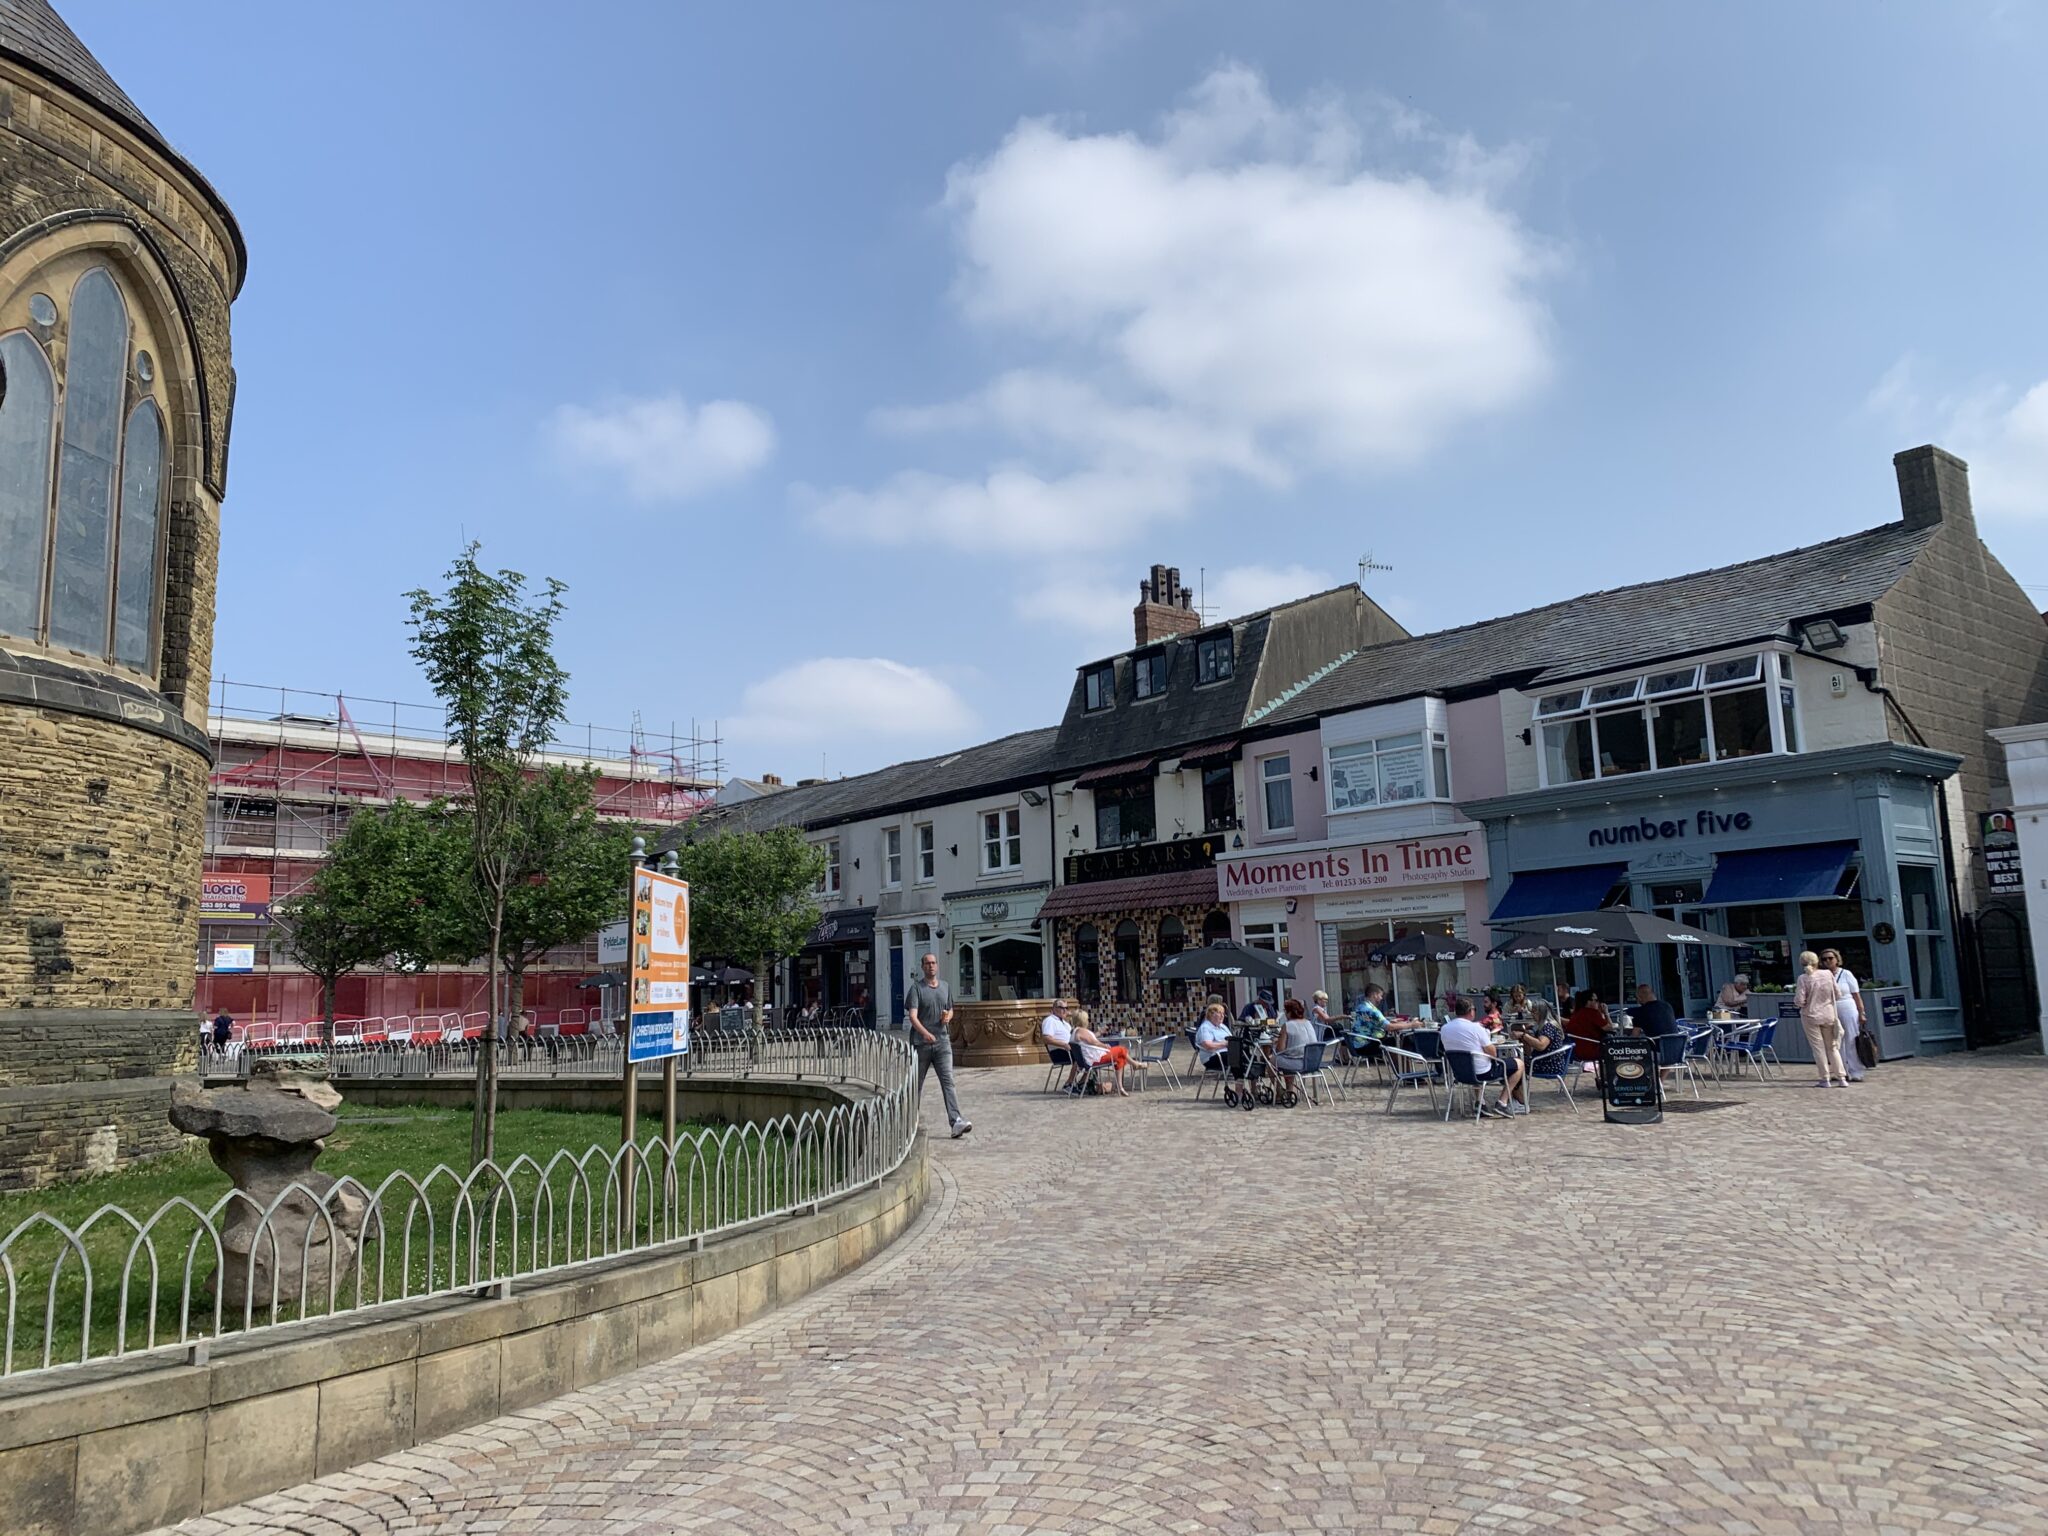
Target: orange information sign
[{"x": 658, "y": 962}]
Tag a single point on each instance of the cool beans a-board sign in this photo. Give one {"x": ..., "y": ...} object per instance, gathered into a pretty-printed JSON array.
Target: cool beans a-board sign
[{"x": 1630, "y": 1090}]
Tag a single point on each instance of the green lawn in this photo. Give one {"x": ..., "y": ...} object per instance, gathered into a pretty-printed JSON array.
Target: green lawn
[{"x": 430, "y": 1241}]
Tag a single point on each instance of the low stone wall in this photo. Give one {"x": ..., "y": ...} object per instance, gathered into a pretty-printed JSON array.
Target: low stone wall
[
  {"x": 111, "y": 1449},
  {"x": 723, "y": 1101},
  {"x": 999, "y": 1034}
]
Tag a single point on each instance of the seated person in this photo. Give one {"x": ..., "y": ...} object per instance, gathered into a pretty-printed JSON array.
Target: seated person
[
  {"x": 1054, "y": 1030},
  {"x": 1735, "y": 996},
  {"x": 1095, "y": 1053},
  {"x": 1490, "y": 1015},
  {"x": 1212, "y": 1038},
  {"x": 1518, "y": 1002},
  {"x": 1543, "y": 1032},
  {"x": 1368, "y": 1025},
  {"x": 1462, "y": 1032},
  {"x": 1296, "y": 1035},
  {"x": 1589, "y": 1021},
  {"x": 1651, "y": 1014},
  {"x": 1258, "y": 1010},
  {"x": 1319, "y": 1014}
]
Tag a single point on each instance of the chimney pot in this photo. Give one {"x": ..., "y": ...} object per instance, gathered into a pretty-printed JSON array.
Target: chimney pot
[{"x": 1165, "y": 608}]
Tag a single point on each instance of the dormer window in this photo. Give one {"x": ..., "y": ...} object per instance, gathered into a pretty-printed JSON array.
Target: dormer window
[
  {"x": 1098, "y": 687},
  {"x": 1212, "y": 658},
  {"x": 1148, "y": 674}
]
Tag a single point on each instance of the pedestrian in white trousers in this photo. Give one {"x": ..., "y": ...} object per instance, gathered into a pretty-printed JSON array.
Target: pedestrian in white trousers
[{"x": 1848, "y": 1009}]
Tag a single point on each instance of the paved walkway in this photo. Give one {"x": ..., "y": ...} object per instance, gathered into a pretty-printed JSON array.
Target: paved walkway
[{"x": 1799, "y": 1312}]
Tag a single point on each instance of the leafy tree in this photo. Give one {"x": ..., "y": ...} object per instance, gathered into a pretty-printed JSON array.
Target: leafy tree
[
  {"x": 364, "y": 904},
  {"x": 569, "y": 877},
  {"x": 487, "y": 648},
  {"x": 751, "y": 898}
]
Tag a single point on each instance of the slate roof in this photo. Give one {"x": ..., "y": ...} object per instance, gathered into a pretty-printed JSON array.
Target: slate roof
[
  {"x": 33, "y": 34},
  {"x": 1624, "y": 627},
  {"x": 1135, "y": 727},
  {"x": 901, "y": 786}
]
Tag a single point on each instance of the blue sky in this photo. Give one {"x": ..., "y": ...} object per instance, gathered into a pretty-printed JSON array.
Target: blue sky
[{"x": 852, "y": 363}]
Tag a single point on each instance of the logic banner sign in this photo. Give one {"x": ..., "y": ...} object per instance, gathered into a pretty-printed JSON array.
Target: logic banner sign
[
  {"x": 234, "y": 898},
  {"x": 2002, "y": 853},
  {"x": 658, "y": 965}
]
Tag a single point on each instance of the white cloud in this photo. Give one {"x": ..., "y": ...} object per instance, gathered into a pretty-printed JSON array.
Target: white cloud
[
  {"x": 836, "y": 698},
  {"x": 2001, "y": 432},
  {"x": 1084, "y": 611},
  {"x": 663, "y": 448},
  {"x": 1238, "y": 294}
]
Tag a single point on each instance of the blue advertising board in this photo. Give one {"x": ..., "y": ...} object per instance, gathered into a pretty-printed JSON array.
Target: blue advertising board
[{"x": 658, "y": 1035}]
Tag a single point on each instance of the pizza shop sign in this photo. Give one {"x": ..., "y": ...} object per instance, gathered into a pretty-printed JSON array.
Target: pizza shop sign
[{"x": 1367, "y": 867}]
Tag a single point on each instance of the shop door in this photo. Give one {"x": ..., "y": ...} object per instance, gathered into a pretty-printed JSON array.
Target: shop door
[
  {"x": 897, "y": 980},
  {"x": 1683, "y": 979}
]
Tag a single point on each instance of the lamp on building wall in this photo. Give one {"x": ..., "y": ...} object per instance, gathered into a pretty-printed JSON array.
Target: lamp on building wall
[
  {"x": 856, "y": 861},
  {"x": 954, "y": 850},
  {"x": 1237, "y": 841},
  {"x": 1315, "y": 772},
  {"x": 1074, "y": 830},
  {"x": 1822, "y": 635},
  {"x": 1528, "y": 738},
  {"x": 1033, "y": 798}
]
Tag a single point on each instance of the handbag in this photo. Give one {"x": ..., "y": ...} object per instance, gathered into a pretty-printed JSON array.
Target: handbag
[{"x": 1866, "y": 1047}]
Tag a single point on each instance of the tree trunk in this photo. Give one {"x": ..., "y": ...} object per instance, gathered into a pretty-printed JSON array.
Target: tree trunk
[
  {"x": 327, "y": 1014},
  {"x": 761, "y": 995},
  {"x": 483, "y": 1132}
]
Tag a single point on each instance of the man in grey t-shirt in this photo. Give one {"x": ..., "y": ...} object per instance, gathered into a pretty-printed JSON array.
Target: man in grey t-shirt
[{"x": 929, "y": 1007}]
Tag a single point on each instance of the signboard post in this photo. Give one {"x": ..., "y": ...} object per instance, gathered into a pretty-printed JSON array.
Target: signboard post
[
  {"x": 1631, "y": 1089},
  {"x": 657, "y": 989}
]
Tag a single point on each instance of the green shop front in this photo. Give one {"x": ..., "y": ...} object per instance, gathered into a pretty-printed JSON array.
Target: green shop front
[
  {"x": 1838, "y": 849},
  {"x": 999, "y": 955}
]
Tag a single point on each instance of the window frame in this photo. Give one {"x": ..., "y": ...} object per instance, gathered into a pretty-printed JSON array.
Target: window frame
[
  {"x": 1226, "y": 775},
  {"x": 1130, "y": 968},
  {"x": 1434, "y": 746},
  {"x": 1207, "y": 647},
  {"x": 892, "y": 858},
  {"x": 1145, "y": 667},
  {"x": 830, "y": 881},
  {"x": 1008, "y": 839},
  {"x": 1099, "y": 684},
  {"x": 1763, "y": 672},
  {"x": 1268, "y": 781},
  {"x": 925, "y": 848},
  {"x": 1107, "y": 796}
]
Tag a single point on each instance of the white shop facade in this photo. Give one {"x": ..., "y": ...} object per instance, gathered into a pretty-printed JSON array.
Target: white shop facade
[{"x": 1330, "y": 903}]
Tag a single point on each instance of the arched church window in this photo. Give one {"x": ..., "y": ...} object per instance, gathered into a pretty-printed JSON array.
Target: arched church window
[
  {"x": 142, "y": 494},
  {"x": 95, "y": 371},
  {"x": 27, "y": 415}
]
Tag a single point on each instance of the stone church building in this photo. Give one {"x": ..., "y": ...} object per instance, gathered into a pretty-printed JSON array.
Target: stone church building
[{"x": 118, "y": 263}]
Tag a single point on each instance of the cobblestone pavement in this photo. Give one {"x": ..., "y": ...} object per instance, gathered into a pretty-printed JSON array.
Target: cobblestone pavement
[{"x": 1803, "y": 1311}]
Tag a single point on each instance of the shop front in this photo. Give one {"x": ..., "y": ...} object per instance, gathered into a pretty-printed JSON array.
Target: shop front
[
  {"x": 834, "y": 966},
  {"x": 1339, "y": 901},
  {"x": 1827, "y": 850},
  {"x": 997, "y": 945},
  {"x": 1119, "y": 914}
]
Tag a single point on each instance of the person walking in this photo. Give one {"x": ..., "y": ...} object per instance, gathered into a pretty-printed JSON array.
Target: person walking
[
  {"x": 929, "y": 1007},
  {"x": 1815, "y": 995},
  {"x": 1848, "y": 1009}
]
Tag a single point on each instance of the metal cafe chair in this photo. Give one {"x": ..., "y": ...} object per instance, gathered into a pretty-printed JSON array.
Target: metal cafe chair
[
  {"x": 1560, "y": 1065},
  {"x": 1410, "y": 1069},
  {"x": 1674, "y": 1056},
  {"x": 1156, "y": 1053},
  {"x": 1464, "y": 1073}
]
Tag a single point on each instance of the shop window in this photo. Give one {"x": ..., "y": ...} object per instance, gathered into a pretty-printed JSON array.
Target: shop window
[
  {"x": 1926, "y": 945},
  {"x": 1087, "y": 964},
  {"x": 1216, "y": 927},
  {"x": 1130, "y": 966},
  {"x": 1173, "y": 938},
  {"x": 1010, "y": 969},
  {"x": 927, "y": 853},
  {"x": 1276, "y": 784},
  {"x": 1124, "y": 814},
  {"x": 1761, "y": 930},
  {"x": 892, "y": 858},
  {"x": 1098, "y": 687},
  {"x": 1219, "y": 798},
  {"x": 1212, "y": 658},
  {"x": 967, "y": 970},
  {"x": 1624, "y": 743},
  {"x": 1148, "y": 674},
  {"x": 1002, "y": 840},
  {"x": 1348, "y": 968},
  {"x": 1742, "y": 723}
]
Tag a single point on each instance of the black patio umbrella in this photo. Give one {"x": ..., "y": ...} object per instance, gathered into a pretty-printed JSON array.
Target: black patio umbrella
[
  {"x": 1223, "y": 958},
  {"x": 604, "y": 979},
  {"x": 719, "y": 975},
  {"x": 1412, "y": 947},
  {"x": 1540, "y": 946},
  {"x": 1615, "y": 925}
]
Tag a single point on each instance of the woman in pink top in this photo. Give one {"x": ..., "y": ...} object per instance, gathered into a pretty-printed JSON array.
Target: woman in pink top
[{"x": 1815, "y": 995}]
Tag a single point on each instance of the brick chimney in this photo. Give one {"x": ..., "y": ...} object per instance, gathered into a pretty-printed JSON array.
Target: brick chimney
[
  {"x": 1934, "y": 487},
  {"x": 1165, "y": 608},
  {"x": 771, "y": 778}
]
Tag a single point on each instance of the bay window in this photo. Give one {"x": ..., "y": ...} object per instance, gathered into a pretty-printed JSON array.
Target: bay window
[
  {"x": 1389, "y": 770},
  {"x": 1741, "y": 706}
]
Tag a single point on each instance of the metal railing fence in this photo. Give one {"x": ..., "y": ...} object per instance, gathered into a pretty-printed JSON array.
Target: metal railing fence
[{"x": 119, "y": 1284}]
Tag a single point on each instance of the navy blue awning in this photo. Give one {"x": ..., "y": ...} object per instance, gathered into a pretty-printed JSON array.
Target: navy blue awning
[
  {"x": 1808, "y": 872},
  {"x": 1544, "y": 892}
]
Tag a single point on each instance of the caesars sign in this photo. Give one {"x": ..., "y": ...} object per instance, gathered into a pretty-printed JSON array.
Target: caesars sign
[
  {"x": 658, "y": 967},
  {"x": 1369, "y": 867}
]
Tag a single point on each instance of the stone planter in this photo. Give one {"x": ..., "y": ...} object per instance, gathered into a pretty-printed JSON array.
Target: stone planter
[{"x": 999, "y": 1034}]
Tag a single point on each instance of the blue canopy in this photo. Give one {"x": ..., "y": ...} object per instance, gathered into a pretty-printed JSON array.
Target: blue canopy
[
  {"x": 1807, "y": 872},
  {"x": 1546, "y": 892}
]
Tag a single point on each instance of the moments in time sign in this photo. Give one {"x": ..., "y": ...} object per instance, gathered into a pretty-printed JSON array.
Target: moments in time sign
[
  {"x": 1367, "y": 867},
  {"x": 658, "y": 966}
]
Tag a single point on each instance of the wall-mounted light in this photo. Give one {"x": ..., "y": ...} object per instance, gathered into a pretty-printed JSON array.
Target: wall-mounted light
[
  {"x": 1528, "y": 737},
  {"x": 1237, "y": 841},
  {"x": 1822, "y": 635},
  {"x": 1315, "y": 772},
  {"x": 938, "y": 933},
  {"x": 954, "y": 850},
  {"x": 856, "y": 861},
  {"x": 1033, "y": 798},
  {"x": 1074, "y": 830},
  {"x": 1292, "y": 903}
]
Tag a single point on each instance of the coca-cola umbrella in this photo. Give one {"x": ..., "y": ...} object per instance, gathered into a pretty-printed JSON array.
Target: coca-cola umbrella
[
  {"x": 1609, "y": 926},
  {"x": 1225, "y": 959},
  {"x": 1425, "y": 949}
]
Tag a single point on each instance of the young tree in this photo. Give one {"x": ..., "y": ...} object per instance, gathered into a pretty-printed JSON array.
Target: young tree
[
  {"x": 569, "y": 877},
  {"x": 751, "y": 898},
  {"x": 487, "y": 648},
  {"x": 364, "y": 903}
]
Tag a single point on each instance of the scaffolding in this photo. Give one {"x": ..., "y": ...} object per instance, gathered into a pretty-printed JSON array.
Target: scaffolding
[{"x": 292, "y": 766}]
